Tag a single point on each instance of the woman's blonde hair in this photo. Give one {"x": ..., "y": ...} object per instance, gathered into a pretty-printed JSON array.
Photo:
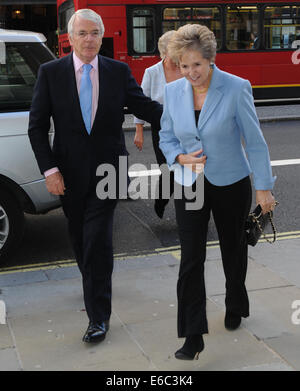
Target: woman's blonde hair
[
  {"x": 163, "y": 43},
  {"x": 193, "y": 37}
]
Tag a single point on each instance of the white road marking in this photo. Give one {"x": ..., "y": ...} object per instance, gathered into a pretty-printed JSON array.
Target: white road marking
[
  {"x": 285, "y": 162},
  {"x": 141, "y": 173}
]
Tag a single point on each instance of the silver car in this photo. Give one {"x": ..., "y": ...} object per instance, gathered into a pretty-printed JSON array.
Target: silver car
[{"x": 22, "y": 187}]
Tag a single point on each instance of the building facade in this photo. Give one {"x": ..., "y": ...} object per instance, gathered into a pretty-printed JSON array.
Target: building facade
[{"x": 31, "y": 15}]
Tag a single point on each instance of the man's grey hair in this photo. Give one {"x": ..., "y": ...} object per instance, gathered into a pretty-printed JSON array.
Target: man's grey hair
[{"x": 88, "y": 14}]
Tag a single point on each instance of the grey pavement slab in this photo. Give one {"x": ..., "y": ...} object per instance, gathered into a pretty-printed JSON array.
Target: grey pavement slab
[
  {"x": 258, "y": 277},
  {"x": 63, "y": 273},
  {"x": 275, "y": 367},
  {"x": 58, "y": 346},
  {"x": 271, "y": 313},
  {"x": 143, "y": 294},
  {"x": 5, "y": 337},
  {"x": 8, "y": 360},
  {"x": 283, "y": 257},
  {"x": 21, "y": 278},
  {"x": 145, "y": 262},
  {"x": 271, "y": 321},
  {"x": 224, "y": 350},
  {"x": 49, "y": 296},
  {"x": 46, "y": 317},
  {"x": 288, "y": 346}
]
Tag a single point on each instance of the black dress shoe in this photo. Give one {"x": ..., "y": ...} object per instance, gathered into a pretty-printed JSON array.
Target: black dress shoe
[
  {"x": 96, "y": 332},
  {"x": 192, "y": 347},
  {"x": 232, "y": 321}
]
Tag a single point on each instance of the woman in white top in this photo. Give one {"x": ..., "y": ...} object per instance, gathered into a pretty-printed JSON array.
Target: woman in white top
[{"x": 153, "y": 85}]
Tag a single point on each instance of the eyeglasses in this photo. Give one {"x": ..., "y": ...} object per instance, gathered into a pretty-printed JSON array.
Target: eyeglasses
[{"x": 84, "y": 34}]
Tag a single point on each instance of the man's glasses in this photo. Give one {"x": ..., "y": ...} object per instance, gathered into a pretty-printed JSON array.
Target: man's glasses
[{"x": 84, "y": 34}]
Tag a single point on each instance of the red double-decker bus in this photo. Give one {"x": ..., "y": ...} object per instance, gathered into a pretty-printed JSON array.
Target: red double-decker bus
[{"x": 257, "y": 40}]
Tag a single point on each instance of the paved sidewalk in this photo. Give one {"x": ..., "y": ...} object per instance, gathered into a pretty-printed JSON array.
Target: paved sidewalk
[{"x": 46, "y": 319}]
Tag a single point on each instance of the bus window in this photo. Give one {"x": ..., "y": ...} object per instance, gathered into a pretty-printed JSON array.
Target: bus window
[
  {"x": 281, "y": 26},
  {"x": 242, "y": 28},
  {"x": 211, "y": 18},
  {"x": 143, "y": 31},
  {"x": 65, "y": 11},
  {"x": 175, "y": 17}
]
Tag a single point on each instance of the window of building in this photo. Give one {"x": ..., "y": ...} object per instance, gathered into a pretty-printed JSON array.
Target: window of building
[
  {"x": 2, "y": 16},
  {"x": 17, "y": 12},
  {"x": 143, "y": 31},
  {"x": 39, "y": 10},
  {"x": 175, "y": 17},
  {"x": 242, "y": 28},
  {"x": 281, "y": 26}
]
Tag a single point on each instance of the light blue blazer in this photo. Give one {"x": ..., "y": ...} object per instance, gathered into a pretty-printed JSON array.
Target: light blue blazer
[{"x": 227, "y": 120}]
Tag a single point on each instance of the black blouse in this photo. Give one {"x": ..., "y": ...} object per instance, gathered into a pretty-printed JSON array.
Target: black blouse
[{"x": 197, "y": 113}]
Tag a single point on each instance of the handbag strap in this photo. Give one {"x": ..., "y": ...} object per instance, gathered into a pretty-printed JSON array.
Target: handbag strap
[{"x": 256, "y": 219}]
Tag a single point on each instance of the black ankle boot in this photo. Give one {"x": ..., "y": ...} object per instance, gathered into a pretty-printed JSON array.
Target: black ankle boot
[
  {"x": 192, "y": 347},
  {"x": 232, "y": 321}
]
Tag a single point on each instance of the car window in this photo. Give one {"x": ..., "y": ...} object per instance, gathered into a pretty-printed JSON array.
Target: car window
[{"x": 18, "y": 72}]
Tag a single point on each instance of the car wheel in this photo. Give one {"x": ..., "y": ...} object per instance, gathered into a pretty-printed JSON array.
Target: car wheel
[{"x": 11, "y": 224}]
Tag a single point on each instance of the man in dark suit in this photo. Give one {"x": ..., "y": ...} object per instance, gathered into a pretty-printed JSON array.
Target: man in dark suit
[{"x": 85, "y": 94}]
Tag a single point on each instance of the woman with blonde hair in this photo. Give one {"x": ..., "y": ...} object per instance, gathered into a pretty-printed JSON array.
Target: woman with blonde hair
[
  {"x": 153, "y": 84},
  {"x": 207, "y": 116}
]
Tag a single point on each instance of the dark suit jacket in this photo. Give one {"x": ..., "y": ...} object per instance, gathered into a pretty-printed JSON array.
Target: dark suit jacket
[{"x": 76, "y": 153}]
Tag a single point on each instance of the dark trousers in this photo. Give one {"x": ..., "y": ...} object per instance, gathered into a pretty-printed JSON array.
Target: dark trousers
[
  {"x": 230, "y": 206},
  {"x": 90, "y": 223},
  {"x": 160, "y": 158}
]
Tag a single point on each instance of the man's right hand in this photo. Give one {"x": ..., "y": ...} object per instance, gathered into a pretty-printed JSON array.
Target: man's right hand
[{"x": 55, "y": 184}]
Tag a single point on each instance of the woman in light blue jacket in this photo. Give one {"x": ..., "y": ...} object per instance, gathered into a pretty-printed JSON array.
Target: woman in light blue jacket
[{"x": 207, "y": 115}]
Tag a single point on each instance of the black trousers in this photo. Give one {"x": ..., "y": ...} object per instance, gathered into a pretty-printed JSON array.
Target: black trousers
[
  {"x": 90, "y": 223},
  {"x": 230, "y": 206}
]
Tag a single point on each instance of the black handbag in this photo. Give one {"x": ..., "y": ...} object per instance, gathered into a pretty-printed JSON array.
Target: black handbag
[{"x": 256, "y": 224}]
